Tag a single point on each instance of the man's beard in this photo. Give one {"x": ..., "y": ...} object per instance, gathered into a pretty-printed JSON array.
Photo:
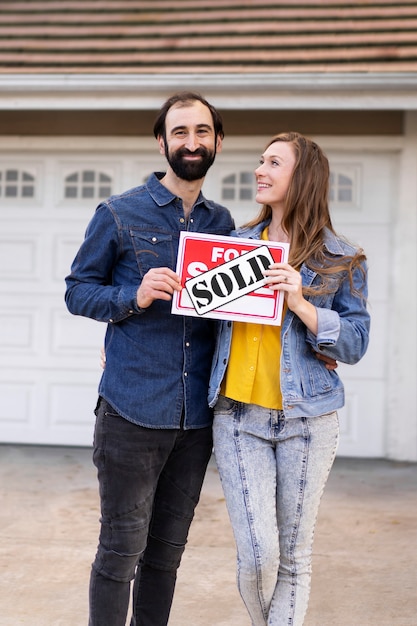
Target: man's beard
[{"x": 190, "y": 170}]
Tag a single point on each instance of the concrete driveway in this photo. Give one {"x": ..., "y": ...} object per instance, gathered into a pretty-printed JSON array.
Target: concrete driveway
[{"x": 365, "y": 557}]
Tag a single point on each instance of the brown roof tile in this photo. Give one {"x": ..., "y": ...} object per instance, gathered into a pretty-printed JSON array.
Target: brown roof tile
[{"x": 208, "y": 36}]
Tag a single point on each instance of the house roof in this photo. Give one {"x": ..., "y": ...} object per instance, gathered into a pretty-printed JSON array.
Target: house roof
[{"x": 151, "y": 37}]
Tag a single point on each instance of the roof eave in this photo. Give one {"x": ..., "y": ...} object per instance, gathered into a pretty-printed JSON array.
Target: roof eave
[{"x": 332, "y": 91}]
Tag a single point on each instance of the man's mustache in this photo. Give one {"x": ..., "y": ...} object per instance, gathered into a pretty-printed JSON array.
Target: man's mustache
[{"x": 185, "y": 152}]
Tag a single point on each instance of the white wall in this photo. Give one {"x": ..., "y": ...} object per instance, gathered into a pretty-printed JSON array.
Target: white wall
[{"x": 402, "y": 339}]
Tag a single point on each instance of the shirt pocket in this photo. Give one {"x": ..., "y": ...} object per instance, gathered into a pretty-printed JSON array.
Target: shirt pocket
[{"x": 153, "y": 249}]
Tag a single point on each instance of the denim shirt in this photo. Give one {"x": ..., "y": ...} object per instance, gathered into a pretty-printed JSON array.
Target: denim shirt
[
  {"x": 308, "y": 388},
  {"x": 157, "y": 364}
]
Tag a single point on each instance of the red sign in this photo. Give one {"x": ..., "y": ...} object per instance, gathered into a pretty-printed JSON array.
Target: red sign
[{"x": 222, "y": 278}]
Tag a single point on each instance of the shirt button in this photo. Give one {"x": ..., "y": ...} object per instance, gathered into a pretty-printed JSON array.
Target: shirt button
[
  {"x": 191, "y": 220},
  {"x": 185, "y": 374},
  {"x": 111, "y": 321},
  {"x": 154, "y": 239},
  {"x": 182, "y": 220},
  {"x": 255, "y": 338},
  {"x": 251, "y": 368},
  {"x": 187, "y": 344}
]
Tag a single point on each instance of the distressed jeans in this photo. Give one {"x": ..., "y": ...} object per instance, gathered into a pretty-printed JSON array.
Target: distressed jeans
[
  {"x": 273, "y": 472},
  {"x": 150, "y": 482}
]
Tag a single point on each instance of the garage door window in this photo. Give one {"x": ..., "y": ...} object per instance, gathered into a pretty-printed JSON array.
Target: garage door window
[
  {"x": 87, "y": 185},
  {"x": 345, "y": 186},
  {"x": 238, "y": 186},
  {"x": 15, "y": 183}
]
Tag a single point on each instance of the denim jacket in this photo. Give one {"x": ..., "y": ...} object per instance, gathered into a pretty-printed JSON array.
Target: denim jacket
[
  {"x": 157, "y": 363},
  {"x": 308, "y": 388}
]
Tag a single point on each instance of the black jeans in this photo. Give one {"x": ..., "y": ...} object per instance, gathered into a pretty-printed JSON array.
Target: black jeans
[{"x": 150, "y": 482}]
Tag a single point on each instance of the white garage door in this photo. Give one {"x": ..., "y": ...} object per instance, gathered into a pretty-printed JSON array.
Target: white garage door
[{"x": 49, "y": 361}]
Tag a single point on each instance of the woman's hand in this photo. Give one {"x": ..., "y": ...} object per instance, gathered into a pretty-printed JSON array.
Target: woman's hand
[
  {"x": 283, "y": 277},
  {"x": 102, "y": 358}
]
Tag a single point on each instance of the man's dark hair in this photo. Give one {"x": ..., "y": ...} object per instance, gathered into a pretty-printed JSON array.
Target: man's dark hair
[{"x": 185, "y": 98}]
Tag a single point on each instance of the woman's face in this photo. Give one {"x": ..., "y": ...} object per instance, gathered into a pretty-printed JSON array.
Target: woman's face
[{"x": 273, "y": 175}]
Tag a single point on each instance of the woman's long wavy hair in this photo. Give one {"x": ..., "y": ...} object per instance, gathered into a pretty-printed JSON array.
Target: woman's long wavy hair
[{"x": 306, "y": 216}]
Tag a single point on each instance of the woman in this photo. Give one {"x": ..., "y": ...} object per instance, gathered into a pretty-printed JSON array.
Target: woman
[{"x": 275, "y": 421}]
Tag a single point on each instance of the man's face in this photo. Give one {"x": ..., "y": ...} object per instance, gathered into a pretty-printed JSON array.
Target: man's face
[{"x": 190, "y": 145}]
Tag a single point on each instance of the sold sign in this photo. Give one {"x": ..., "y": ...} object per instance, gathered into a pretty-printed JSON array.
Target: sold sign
[
  {"x": 224, "y": 278},
  {"x": 229, "y": 281}
]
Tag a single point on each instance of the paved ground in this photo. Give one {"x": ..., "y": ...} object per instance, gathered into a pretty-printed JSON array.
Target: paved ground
[{"x": 365, "y": 558}]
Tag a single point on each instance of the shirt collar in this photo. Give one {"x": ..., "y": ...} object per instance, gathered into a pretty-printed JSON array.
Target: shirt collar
[{"x": 163, "y": 196}]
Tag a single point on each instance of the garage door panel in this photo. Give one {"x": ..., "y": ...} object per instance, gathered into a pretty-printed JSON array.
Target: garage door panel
[
  {"x": 65, "y": 246},
  {"x": 18, "y": 333},
  {"x": 376, "y": 241},
  {"x": 71, "y": 400},
  {"x": 37, "y": 330},
  {"x": 18, "y": 401},
  {"x": 31, "y": 259},
  {"x": 362, "y": 419},
  {"x": 48, "y": 406},
  {"x": 23, "y": 408},
  {"x": 75, "y": 336},
  {"x": 20, "y": 256},
  {"x": 72, "y": 403}
]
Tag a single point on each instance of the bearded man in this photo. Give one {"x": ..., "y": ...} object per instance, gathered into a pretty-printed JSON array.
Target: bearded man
[{"x": 153, "y": 433}]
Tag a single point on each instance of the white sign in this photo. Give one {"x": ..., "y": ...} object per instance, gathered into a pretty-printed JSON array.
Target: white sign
[{"x": 222, "y": 278}]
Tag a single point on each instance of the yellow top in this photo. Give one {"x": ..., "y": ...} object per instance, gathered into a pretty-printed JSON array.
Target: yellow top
[{"x": 253, "y": 372}]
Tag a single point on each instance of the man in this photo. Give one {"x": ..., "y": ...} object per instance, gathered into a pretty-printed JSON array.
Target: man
[{"x": 153, "y": 436}]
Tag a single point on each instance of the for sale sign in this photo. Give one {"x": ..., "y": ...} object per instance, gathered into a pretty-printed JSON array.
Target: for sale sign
[{"x": 222, "y": 278}]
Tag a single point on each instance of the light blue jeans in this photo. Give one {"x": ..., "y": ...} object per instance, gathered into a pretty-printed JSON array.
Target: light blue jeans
[{"x": 273, "y": 472}]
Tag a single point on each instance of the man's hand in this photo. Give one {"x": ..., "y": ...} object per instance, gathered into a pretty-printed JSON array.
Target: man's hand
[
  {"x": 330, "y": 363},
  {"x": 102, "y": 358},
  {"x": 159, "y": 283}
]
